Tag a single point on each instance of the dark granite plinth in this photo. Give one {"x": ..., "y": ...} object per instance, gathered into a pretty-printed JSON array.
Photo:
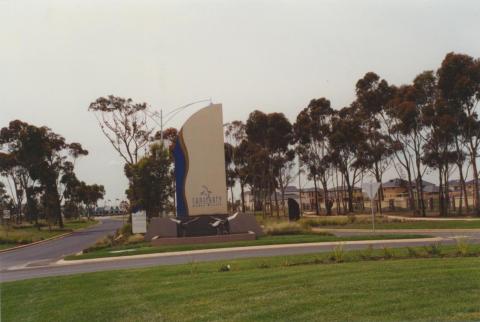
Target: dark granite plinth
[{"x": 204, "y": 225}]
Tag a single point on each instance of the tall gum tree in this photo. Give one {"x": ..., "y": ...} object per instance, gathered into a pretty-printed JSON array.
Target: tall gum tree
[
  {"x": 124, "y": 123},
  {"x": 459, "y": 89},
  {"x": 373, "y": 96},
  {"x": 345, "y": 139},
  {"x": 312, "y": 128}
]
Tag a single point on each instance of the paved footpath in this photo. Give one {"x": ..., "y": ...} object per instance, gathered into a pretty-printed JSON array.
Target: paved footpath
[{"x": 84, "y": 266}]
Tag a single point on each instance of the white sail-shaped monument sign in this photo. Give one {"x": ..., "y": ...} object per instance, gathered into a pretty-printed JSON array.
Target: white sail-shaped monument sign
[{"x": 200, "y": 164}]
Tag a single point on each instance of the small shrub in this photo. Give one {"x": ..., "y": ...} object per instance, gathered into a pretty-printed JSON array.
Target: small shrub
[
  {"x": 434, "y": 249},
  {"x": 134, "y": 239},
  {"x": 263, "y": 265},
  {"x": 285, "y": 228},
  {"x": 412, "y": 252},
  {"x": 338, "y": 254},
  {"x": 367, "y": 253},
  {"x": 462, "y": 246},
  {"x": 224, "y": 268},
  {"x": 387, "y": 253},
  {"x": 395, "y": 220},
  {"x": 326, "y": 221},
  {"x": 126, "y": 230},
  {"x": 104, "y": 242}
]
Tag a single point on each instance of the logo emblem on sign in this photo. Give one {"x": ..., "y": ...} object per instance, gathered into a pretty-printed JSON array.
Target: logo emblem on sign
[{"x": 206, "y": 198}]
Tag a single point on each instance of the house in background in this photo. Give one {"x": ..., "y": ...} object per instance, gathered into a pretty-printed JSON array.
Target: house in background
[
  {"x": 305, "y": 198},
  {"x": 394, "y": 196}
]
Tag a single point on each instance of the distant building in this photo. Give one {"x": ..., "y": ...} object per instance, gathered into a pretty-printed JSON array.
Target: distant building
[{"x": 395, "y": 196}]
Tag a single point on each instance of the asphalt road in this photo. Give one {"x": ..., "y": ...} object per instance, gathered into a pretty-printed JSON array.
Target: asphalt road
[
  {"x": 194, "y": 256},
  {"x": 42, "y": 260},
  {"x": 51, "y": 251}
]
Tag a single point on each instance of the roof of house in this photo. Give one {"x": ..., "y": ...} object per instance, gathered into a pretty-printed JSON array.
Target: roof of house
[
  {"x": 454, "y": 182},
  {"x": 398, "y": 182},
  {"x": 291, "y": 189},
  {"x": 312, "y": 189},
  {"x": 431, "y": 189},
  {"x": 395, "y": 183},
  {"x": 342, "y": 188}
]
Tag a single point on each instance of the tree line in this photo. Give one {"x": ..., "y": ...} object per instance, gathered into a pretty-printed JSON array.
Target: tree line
[
  {"x": 39, "y": 180},
  {"x": 430, "y": 125}
]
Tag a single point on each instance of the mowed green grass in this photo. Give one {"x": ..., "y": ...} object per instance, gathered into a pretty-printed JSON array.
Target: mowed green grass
[
  {"x": 146, "y": 248},
  {"x": 364, "y": 222},
  {"x": 450, "y": 224},
  {"x": 264, "y": 289}
]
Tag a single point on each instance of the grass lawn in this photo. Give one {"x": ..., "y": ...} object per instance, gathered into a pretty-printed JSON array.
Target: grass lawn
[
  {"x": 364, "y": 222},
  {"x": 451, "y": 224},
  {"x": 293, "y": 288},
  {"x": 145, "y": 248},
  {"x": 14, "y": 236}
]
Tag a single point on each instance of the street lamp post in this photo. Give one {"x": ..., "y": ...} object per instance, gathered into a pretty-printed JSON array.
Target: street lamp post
[{"x": 170, "y": 115}]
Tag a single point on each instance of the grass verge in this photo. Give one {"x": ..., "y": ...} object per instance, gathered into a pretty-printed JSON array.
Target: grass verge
[
  {"x": 364, "y": 222},
  {"x": 26, "y": 234},
  {"x": 454, "y": 224},
  {"x": 146, "y": 248},
  {"x": 366, "y": 286}
]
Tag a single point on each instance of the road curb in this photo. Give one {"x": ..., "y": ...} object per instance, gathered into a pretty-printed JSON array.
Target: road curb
[
  {"x": 63, "y": 262},
  {"x": 36, "y": 243},
  {"x": 46, "y": 240}
]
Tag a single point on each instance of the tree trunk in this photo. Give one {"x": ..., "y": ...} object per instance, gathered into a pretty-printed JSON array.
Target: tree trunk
[
  {"x": 317, "y": 210},
  {"x": 276, "y": 201},
  {"x": 378, "y": 177},
  {"x": 270, "y": 208},
  {"x": 328, "y": 208},
  {"x": 411, "y": 197},
  {"x": 242, "y": 195},
  {"x": 463, "y": 189},
  {"x": 264, "y": 206},
  {"x": 233, "y": 200},
  {"x": 421, "y": 201},
  {"x": 447, "y": 192},
  {"x": 441, "y": 207},
  {"x": 337, "y": 198},
  {"x": 282, "y": 193},
  {"x": 350, "y": 194},
  {"x": 475, "y": 184}
]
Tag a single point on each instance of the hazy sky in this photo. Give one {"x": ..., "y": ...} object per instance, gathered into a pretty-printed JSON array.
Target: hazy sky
[{"x": 58, "y": 56}]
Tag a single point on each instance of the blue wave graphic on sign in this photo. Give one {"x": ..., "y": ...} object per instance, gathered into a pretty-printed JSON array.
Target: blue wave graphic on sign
[{"x": 180, "y": 175}]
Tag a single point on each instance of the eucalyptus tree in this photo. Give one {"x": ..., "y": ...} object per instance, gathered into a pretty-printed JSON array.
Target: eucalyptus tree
[
  {"x": 125, "y": 124},
  {"x": 235, "y": 133},
  {"x": 4, "y": 197},
  {"x": 439, "y": 150},
  {"x": 312, "y": 129},
  {"x": 41, "y": 156},
  {"x": 373, "y": 95},
  {"x": 459, "y": 89},
  {"x": 150, "y": 181},
  {"x": 402, "y": 120},
  {"x": 229, "y": 171},
  {"x": 241, "y": 157},
  {"x": 345, "y": 140},
  {"x": 272, "y": 136}
]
